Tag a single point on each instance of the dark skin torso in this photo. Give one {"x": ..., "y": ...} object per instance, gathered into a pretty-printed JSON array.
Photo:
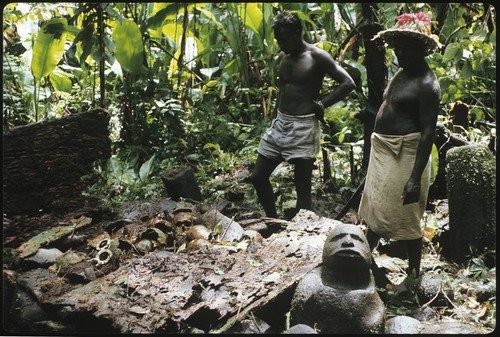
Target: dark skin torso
[
  {"x": 300, "y": 81},
  {"x": 405, "y": 99},
  {"x": 302, "y": 70},
  {"x": 411, "y": 104}
]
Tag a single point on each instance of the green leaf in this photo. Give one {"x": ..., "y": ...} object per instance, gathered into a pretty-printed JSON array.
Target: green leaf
[
  {"x": 48, "y": 48},
  {"x": 215, "y": 147},
  {"x": 434, "y": 162},
  {"x": 114, "y": 166},
  {"x": 161, "y": 12},
  {"x": 210, "y": 84},
  {"x": 467, "y": 70},
  {"x": 251, "y": 16},
  {"x": 218, "y": 229},
  {"x": 232, "y": 67},
  {"x": 212, "y": 18},
  {"x": 452, "y": 51},
  {"x": 61, "y": 81},
  {"x": 129, "y": 48},
  {"x": 146, "y": 168}
]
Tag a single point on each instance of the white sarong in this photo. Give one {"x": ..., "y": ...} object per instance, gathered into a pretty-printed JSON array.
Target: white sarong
[{"x": 391, "y": 162}]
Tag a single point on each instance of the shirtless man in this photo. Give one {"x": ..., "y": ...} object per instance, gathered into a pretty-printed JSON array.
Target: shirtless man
[
  {"x": 294, "y": 135},
  {"x": 398, "y": 176}
]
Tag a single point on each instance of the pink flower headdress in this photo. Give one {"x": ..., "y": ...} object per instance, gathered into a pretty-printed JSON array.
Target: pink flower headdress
[{"x": 417, "y": 26}]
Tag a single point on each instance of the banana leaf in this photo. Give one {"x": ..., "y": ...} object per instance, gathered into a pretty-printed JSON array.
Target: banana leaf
[
  {"x": 129, "y": 48},
  {"x": 49, "y": 47}
]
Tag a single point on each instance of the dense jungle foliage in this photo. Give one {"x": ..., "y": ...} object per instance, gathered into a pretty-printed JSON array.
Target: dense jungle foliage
[{"x": 194, "y": 84}]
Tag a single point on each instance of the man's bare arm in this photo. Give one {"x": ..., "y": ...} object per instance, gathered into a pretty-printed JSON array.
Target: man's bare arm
[
  {"x": 428, "y": 112},
  {"x": 338, "y": 74}
]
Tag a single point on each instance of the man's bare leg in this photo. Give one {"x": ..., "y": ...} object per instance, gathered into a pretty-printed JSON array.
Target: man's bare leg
[
  {"x": 381, "y": 279},
  {"x": 303, "y": 179},
  {"x": 264, "y": 167},
  {"x": 372, "y": 238},
  {"x": 414, "y": 252}
]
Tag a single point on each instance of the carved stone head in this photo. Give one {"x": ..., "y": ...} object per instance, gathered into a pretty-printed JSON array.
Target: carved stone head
[{"x": 346, "y": 248}]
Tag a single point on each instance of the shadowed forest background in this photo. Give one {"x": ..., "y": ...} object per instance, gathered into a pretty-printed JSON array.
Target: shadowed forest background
[{"x": 194, "y": 84}]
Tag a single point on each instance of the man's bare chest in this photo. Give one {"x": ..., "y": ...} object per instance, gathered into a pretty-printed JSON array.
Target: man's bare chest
[
  {"x": 297, "y": 69},
  {"x": 403, "y": 90}
]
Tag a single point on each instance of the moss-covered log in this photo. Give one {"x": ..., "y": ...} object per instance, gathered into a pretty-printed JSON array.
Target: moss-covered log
[{"x": 471, "y": 182}]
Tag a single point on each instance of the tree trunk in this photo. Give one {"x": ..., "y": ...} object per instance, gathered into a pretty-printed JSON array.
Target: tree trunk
[
  {"x": 44, "y": 162},
  {"x": 376, "y": 71}
]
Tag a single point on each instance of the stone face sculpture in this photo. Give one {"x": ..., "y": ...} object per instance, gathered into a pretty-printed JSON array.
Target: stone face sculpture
[{"x": 340, "y": 295}]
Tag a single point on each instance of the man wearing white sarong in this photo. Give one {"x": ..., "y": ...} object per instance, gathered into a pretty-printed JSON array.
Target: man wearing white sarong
[{"x": 397, "y": 180}]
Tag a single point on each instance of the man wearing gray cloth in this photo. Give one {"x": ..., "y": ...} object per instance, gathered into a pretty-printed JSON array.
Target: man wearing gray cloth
[
  {"x": 294, "y": 134},
  {"x": 398, "y": 175}
]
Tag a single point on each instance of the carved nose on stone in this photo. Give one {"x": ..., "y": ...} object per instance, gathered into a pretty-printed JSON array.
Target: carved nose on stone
[{"x": 348, "y": 243}]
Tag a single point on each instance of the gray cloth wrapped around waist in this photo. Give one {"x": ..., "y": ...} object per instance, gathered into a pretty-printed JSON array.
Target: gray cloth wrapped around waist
[{"x": 291, "y": 137}]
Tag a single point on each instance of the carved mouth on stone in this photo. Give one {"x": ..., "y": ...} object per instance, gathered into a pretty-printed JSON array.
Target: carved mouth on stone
[{"x": 348, "y": 253}]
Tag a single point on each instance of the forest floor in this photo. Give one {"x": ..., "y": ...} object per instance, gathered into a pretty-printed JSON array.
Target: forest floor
[{"x": 466, "y": 293}]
